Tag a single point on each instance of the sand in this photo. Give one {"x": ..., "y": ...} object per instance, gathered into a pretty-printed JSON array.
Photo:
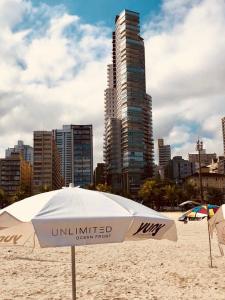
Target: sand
[{"x": 131, "y": 270}]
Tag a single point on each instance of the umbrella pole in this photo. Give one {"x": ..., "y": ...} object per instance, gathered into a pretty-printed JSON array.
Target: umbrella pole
[
  {"x": 210, "y": 248},
  {"x": 73, "y": 269}
]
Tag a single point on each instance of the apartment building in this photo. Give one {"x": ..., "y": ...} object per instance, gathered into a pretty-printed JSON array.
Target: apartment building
[
  {"x": 128, "y": 142},
  {"x": 47, "y": 165},
  {"x": 75, "y": 146}
]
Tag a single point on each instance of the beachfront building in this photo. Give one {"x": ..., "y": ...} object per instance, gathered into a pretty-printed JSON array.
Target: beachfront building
[
  {"x": 25, "y": 150},
  {"x": 178, "y": 169},
  {"x": 15, "y": 174},
  {"x": 75, "y": 146},
  {"x": 164, "y": 153},
  {"x": 46, "y": 167},
  {"x": 223, "y": 132},
  {"x": 128, "y": 142},
  {"x": 209, "y": 180},
  {"x": 99, "y": 174}
]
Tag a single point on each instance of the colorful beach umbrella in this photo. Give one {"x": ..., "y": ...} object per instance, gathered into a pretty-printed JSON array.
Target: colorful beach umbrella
[
  {"x": 77, "y": 217},
  {"x": 199, "y": 212}
]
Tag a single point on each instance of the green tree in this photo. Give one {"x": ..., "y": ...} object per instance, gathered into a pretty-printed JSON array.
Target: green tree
[
  {"x": 21, "y": 193},
  {"x": 103, "y": 188},
  {"x": 2, "y": 198},
  {"x": 5, "y": 200},
  {"x": 151, "y": 193},
  {"x": 45, "y": 188},
  {"x": 214, "y": 196},
  {"x": 171, "y": 195}
]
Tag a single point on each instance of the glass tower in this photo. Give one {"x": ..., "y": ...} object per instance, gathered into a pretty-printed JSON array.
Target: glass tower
[
  {"x": 133, "y": 107},
  {"x": 75, "y": 145}
]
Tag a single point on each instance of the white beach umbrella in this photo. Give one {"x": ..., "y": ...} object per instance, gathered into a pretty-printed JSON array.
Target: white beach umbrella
[
  {"x": 75, "y": 216},
  {"x": 217, "y": 222}
]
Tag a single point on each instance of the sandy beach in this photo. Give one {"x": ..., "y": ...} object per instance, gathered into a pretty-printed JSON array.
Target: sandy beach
[{"x": 131, "y": 270}]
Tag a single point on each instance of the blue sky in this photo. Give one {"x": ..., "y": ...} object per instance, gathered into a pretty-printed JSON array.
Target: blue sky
[
  {"x": 98, "y": 11},
  {"x": 53, "y": 68}
]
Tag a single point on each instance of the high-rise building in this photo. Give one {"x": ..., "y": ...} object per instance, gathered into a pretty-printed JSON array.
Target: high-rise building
[
  {"x": 15, "y": 174},
  {"x": 75, "y": 146},
  {"x": 46, "y": 167},
  {"x": 128, "y": 144},
  {"x": 99, "y": 174},
  {"x": 164, "y": 153},
  {"x": 223, "y": 131},
  {"x": 25, "y": 150}
]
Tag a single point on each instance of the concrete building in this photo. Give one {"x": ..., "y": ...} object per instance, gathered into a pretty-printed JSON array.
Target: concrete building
[
  {"x": 128, "y": 118},
  {"x": 112, "y": 135},
  {"x": 75, "y": 146},
  {"x": 209, "y": 180},
  {"x": 206, "y": 158},
  {"x": 164, "y": 152},
  {"x": 25, "y": 150},
  {"x": 178, "y": 169},
  {"x": 15, "y": 174},
  {"x": 47, "y": 166},
  {"x": 217, "y": 165},
  {"x": 99, "y": 174},
  {"x": 223, "y": 132}
]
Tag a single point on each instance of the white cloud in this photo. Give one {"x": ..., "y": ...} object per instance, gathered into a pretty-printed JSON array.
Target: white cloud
[
  {"x": 53, "y": 72},
  {"x": 186, "y": 71}
]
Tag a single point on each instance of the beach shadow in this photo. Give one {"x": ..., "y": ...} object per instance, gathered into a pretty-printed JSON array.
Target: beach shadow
[{"x": 38, "y": 259}]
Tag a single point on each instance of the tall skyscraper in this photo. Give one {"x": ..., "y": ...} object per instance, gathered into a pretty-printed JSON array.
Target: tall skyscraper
[
  {"x": 128, "y": 144},
  {"x": 25, "y": 150},
  {"x": 164, "y": 153},
  {"x": 75, "y": 146},
  {"x": 46, "y": 167},
  {"x": 223, "y": 131}
]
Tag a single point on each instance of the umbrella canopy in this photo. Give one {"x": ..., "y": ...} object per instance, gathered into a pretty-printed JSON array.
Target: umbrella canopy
[
  {"x": 189, "y": 202},
  {"x": 75, "y": 216},
  {"x": 217, "y": 222},
  {"x": 199, "y": 212}
]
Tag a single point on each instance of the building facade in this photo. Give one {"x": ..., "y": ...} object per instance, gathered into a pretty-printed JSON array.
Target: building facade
[
  {"x": 223, "y": 132},
  {"x": 206, "y": 158},
  {"x": 209, "y": 180},
  {"x": 75, "y": 146},
  {"x": 178, "y": 169},
  {"x": 128, "y": 128},
  {"x": 99, "y": 174},
  {"x": 164, "y": 152},
  {"x": 47, "y": 165},
  {"x": 15, "y": 174},
  {"x": 25, "y": 150},
  {"x": 217, "y": 165}
]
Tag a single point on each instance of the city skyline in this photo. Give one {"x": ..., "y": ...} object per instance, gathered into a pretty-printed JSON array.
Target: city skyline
[{"x": 184, "y": 65}]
